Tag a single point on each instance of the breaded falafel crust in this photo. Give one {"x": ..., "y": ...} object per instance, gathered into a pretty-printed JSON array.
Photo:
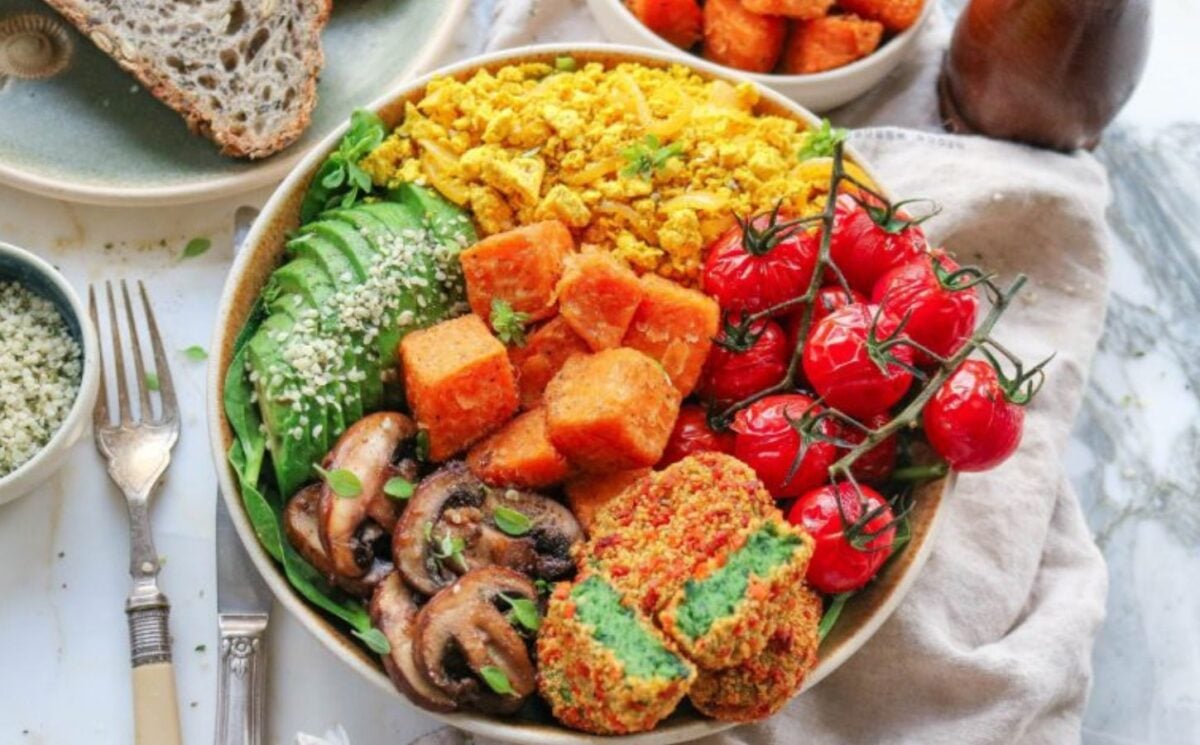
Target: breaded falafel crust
[
  {"x": 585, "y": 683},
  {"x": 768, "y": 600},
  {"x": 665, "y": 528},
  {"x": 761, "y": 686}
]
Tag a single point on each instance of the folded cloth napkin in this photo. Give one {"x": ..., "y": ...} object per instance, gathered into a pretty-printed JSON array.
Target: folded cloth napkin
[{"x": 993, "y": 643}]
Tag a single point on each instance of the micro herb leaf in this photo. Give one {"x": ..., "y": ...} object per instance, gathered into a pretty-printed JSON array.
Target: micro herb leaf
[
  {"x": 195, "y": 247},
  {"x": 524, "y": 612},
  {"x": 448, "y": 548},
  {"x": 647, "y": 157},
  {"x": 421, "y": 446},
  {"x": 565, "y": 64},
  {"x": 195, "y": 353},
  {"x": 496, "y": 680},
  {"x": 201, "y": 647},
  {"x": 508, "y": 324},
  {"x": 543, "y": 587},
  {"x": 829, "y": 620},
  {"x": 375, "y": 640},
  {"x": 152, "y": 381},
  {"x": 510, "y": 521},
  {"x": 341, "y": 180},
  {"x": 820, "y": 143},
  {"x": 343, "y": 482},
  {"x": 398, "y": 488}
]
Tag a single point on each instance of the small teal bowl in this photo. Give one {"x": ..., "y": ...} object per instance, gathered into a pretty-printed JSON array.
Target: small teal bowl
[{"x": 19, "y": 265}]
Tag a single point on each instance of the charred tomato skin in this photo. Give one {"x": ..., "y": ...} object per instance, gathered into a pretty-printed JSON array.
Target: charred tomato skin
[
  {"x": 745, "y": 282},
  {"x": 767, "y": 442},
  {"x": 939, "y": 319},
  {"x": 970, "y": 422},
  {"x": 692, "y": 434},
  {"x": 838, "y": 365},
  {"x": 836, "y": 565},
  {"x": 863, "y": 250},
  {"x": 732, "y": 376}
]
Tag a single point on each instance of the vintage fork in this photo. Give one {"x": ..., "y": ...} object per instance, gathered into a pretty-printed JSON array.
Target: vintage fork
[{"x": 138, "y": 451}]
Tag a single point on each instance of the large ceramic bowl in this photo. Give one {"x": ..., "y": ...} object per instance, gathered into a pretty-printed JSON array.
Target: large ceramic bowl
[
  {"x": 262, "y": 253},
  {"x": 819, "y": 91}
]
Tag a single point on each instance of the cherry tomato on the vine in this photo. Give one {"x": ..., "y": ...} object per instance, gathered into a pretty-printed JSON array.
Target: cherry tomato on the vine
[
  {"x": 828, "y": 300},
  {"x": 940, "y": 317},
  {"x": 970, "y": 420},
  {"x": 767, "y": 440},
  {"x": 869, "y": 240},
  {"x": 840, "y": 365},
  {"x": 847, "y": 554},
  {"x": 692, "y": 435},
  {"x": 760, "y": 263},
  {"x": 875, "y": 465},
  {"x": 731, "y": 376}
]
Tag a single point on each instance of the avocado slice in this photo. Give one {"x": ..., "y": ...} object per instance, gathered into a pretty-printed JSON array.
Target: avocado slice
[
  {"x": 302, "y": 277},
  {"x": 616, "y": 627}
]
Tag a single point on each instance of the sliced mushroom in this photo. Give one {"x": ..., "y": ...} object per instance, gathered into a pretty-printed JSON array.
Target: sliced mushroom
[
  {"x": 452, "y": 506},
  {"x": 465, "y": 629},
  {"x": 300, "y": 525},
  {"x": 368, "y": 449},
  {"x": 394, "y": 613}
]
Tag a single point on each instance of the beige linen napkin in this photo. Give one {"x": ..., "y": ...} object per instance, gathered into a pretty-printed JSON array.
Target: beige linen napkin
[{"x": 993, "y": 643}]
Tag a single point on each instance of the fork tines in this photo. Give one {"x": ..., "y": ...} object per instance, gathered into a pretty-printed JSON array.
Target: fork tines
[{"x": 168, "y": 409}]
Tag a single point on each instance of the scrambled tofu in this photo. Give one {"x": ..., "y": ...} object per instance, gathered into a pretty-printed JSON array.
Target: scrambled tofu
[{"x": 651, "y": 164}]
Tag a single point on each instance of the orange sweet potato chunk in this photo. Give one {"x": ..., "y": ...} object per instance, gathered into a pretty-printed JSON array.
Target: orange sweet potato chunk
[
  {"x": 800, "y": 9},
  {"x": 828, "y": 43},
  {"x": 674, "y": 325},
  {"x": 895, "y": 15},
  {"x": 521, "y": 267},
  {"x": 519, "y": 455},
  {"x": 587, "y": 493},
  {"x": 545, "y": 351},
  {"x": 611, "y": 411},
  {"x": 598, "y": 296},
  {"x": 459, "y": 382}
]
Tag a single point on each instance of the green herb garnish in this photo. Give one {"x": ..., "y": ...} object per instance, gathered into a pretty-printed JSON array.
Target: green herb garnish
[
  {"x": 524, "y": 612},
  {"x": 831, "y": 615},
  {"x": 512, "y": 522},
  {"x": 821, "y": 142},
  {"x": 421, "y": 445},
  {"x": 152, "y": 381},
  {"x": 398, "y": 488},
  {"x": 496, "y": 680},
  {"x": 508, "y": 324},
  {"x": 565, "y": 64},
  {"x": 340, "y": 180},
  {"x": 195, "y": 247},
  {"x": 195, "y": 353},
  {"x": 448, "y": 548},
  {"x": 374, "y": 639},
  {"x": 343, "y": 482},
  {"x": 648, "y": 157}
]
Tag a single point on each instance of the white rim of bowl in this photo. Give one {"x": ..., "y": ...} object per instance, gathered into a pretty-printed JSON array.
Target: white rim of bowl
[
  {"x": 89, "y": 376},
  {"x": 766, "y": 78},
  {"x": 221, "y": 186},
  {"x": 308, "y": 616}
]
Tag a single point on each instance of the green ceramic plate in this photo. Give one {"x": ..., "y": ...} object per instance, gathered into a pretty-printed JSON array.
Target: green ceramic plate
[{"x": 90, "y": 134}]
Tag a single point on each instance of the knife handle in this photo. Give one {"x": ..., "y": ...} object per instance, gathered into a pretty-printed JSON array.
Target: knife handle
[{"x": 241, "y": 684}]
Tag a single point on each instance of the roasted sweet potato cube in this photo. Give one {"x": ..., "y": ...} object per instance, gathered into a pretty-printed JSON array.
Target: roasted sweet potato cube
[
  {"x": 519, "y": 455},
  {"x": 521, "y": 267},
  {"x": 459, "y": 382},
  {"x": 598, "y": 296},
  {"x": 674, "y": 325},
  {"x": 736, "y": 37},
  {"x": 611, "y": 411},
  {"x": 589, "y": 492},
  {"x": 544, "y": 353},
  {"x": 799, "y": 9},
  {"x": 828, "y": 43},
  {"x": 895, "y": 15}
]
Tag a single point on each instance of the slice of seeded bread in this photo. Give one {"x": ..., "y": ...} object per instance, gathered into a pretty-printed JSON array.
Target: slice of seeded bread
[{"x": 241, "y": 72}]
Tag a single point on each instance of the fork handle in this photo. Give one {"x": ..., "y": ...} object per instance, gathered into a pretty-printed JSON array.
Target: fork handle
[{"x": 155, "y": 703}]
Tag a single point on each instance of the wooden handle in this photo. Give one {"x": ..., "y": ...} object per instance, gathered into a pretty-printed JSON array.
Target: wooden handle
[{"x": 155, "y": 706}]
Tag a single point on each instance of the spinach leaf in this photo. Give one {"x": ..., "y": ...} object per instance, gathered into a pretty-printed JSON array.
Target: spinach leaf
[{"x": 340, "y": 181}]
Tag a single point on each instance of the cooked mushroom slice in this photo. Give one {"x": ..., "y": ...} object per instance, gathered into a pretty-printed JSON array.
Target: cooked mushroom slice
[
  {"x": 450, "y": 527},
  {"x": 300, "y": 525},
  {"x": 394, "y": 613},
  {"x": 464, "y": 639},
  {"x": 368, "y": 450}
]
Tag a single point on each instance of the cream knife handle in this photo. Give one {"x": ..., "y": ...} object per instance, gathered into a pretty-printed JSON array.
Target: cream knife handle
[
  {"x": 155, "y": 705},
  {"x": 241, "y": 685}
]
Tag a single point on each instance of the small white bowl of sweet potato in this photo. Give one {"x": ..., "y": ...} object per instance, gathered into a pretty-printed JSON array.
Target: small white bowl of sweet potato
[{"x": 819, "y": 53}]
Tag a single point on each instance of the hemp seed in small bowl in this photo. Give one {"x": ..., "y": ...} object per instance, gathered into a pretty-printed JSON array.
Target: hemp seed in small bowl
[{"x": 47, "y": 386}]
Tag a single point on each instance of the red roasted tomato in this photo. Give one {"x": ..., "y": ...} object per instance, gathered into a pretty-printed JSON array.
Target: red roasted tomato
[
  {"x": 940, "y": 318},
  {"x": 828, "y": 300},
  {"x": 759, "y": 263},
  {"x": 767, "y": 442},
  {"x": 864, "y": 250},
  {"x": 875, "y": 465},
  {"x": 732, "y": 376},
  {"x": 971, "y": 422},
  {"x": 693, "y": 435},
  {"x": 846, "y": 555},
  {"x": 838, "y": 364}
]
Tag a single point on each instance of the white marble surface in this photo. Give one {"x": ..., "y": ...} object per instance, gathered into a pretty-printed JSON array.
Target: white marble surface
[{"x": 1134, "y": 461}]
